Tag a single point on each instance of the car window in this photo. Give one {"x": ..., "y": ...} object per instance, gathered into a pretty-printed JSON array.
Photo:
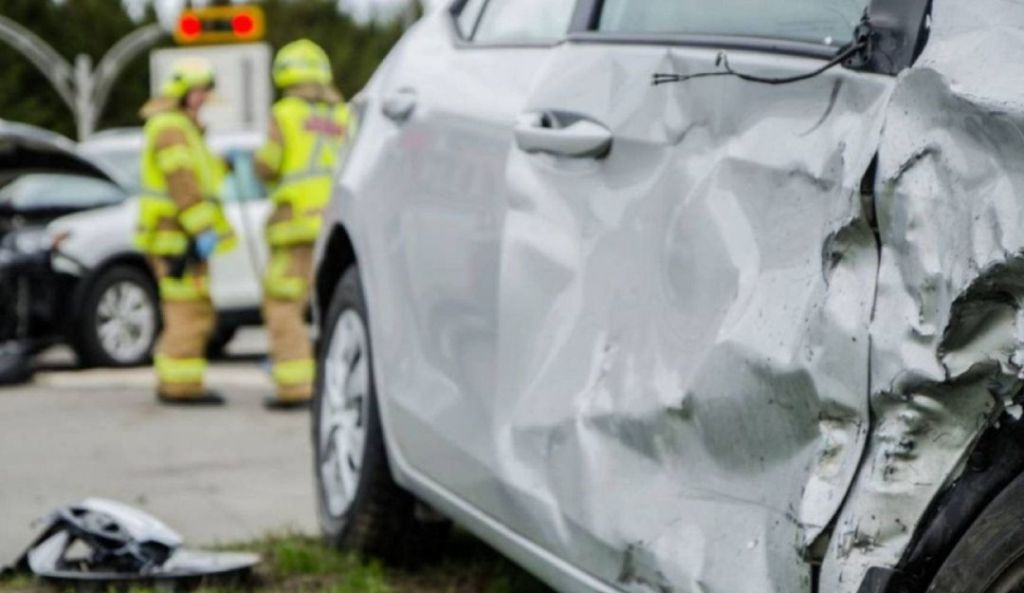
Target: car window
[
  {"x": 42, "y": 191},
  {"x": 468, "y": 17},
  {"x": 124, "y": 164},
  {"x": 524, "y": 21},
  {"x": 830, "y": 22},
  {"x": 242, "y": 184}
]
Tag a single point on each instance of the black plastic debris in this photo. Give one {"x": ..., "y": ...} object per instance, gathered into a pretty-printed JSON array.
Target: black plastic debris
[
  {"x": 15, "y": 363},
  {"x": 98, "y": 545}
]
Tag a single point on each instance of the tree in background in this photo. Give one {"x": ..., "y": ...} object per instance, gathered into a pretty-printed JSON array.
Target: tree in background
[
  {"x": 355, "y": 49},
  {"x": 93, "y": 26}
]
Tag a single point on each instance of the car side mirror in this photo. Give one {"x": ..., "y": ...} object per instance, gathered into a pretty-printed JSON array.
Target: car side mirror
[{"x": 894, "y": 33}]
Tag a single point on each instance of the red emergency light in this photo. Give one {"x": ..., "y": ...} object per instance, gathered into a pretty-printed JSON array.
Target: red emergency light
[
  {"x": 190, "y": 27},
  {"x": 220, "y": 24},
  {"x": 243, "y": 24}
]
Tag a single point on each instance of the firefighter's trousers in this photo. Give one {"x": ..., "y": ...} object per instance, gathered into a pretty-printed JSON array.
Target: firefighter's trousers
[
  {"x": 189, "y": 319},
  {"x": 285, "y": 297}
]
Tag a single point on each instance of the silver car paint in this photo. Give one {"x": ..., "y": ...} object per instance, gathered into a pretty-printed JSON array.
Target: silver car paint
[
  {"x": 684, "y": 334},
  {"x": 947, "y": 333},
  {"x": 676, "y": 369}
]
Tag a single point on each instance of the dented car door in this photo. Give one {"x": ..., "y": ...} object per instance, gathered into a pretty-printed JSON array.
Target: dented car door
[
  {"x": 687, "y": 279},
  {"x": 438, "y": 215}
]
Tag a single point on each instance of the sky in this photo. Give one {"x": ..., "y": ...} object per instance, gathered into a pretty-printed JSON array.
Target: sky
[{"x": 361, "y": 9}]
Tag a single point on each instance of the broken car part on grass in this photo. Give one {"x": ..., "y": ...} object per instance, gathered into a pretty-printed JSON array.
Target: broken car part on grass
[{"x": 97, "y": 544}]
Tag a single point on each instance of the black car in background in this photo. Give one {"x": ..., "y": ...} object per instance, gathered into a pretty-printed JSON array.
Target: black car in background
[{"x": 41, "y": 178}]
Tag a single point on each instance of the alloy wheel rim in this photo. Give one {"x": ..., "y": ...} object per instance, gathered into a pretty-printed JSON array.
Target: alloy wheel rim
[
  {"x": 125, "y": 321},
  {"x": 344, "y": 412}
]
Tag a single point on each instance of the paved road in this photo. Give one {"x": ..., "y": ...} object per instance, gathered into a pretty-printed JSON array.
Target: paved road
[{"x": 215, "y": 475}]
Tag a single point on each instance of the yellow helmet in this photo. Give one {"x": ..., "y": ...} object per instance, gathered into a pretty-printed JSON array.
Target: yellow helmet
[
  {"x": 188, "y": 74},
  {"x": 301, "y": 62}
]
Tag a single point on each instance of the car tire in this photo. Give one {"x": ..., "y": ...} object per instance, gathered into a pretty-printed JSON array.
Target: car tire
[
  {"x": 360, "y": 507},
  {"x": 119, "y": 320},
  {"x": 989, "y": 558}
]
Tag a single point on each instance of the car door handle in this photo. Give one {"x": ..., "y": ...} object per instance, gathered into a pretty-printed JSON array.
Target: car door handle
[
  {"x": 398, "y": 106},
  {"x": 562, "y": 134}
]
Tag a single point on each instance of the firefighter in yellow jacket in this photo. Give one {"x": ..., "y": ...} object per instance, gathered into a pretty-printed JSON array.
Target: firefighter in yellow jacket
[
  {"x": 180, "y": 226},
  {"x": 307, "y": 128}
]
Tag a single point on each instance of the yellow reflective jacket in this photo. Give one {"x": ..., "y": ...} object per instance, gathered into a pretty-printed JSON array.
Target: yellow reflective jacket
[
  {"x": 311, "y": 133},
  {"x": 167, "y": 221}
]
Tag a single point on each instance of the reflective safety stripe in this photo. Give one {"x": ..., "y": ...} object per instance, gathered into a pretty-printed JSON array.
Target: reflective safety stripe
[
  {"x": 174, "y": 158},
  {"x": 298, "y": 230},
  {"x": 271, "y": 155},
  {"x": 180, "y": 370},
  {"x": 279, "y": 283},
  {"x": 285, "y": 288},
  {"x": 304, "y": 175},
  {"x": 200, "y": 217},
  {"x": 167, "y": 243},
  {"x": 153, "y": 207},
  {"x": 186, "y": 288},
  {"x": 295, "y": 372},
  {"x": 227, "y": 241},
  {"x": 155, "y": 195}
]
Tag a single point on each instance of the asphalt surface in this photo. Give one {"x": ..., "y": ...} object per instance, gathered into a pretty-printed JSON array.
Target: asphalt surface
[{"x": 216, "y": 475}]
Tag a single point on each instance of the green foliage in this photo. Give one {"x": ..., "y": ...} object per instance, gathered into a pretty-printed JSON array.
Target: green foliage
[
  {"x": 25, "y": 94},
  {"x": 299, "y": 556},
  {"x": 304, "y": 558},
  {"x": 355, "y": 49},
  {"x": 93, "y": 26}
]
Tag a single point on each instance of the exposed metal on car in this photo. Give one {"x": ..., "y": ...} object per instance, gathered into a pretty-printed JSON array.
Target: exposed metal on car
[{"x": 894, "y": 32}]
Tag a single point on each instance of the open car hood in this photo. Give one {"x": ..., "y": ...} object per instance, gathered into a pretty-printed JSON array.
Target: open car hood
[{"x": 25, "y": 149}]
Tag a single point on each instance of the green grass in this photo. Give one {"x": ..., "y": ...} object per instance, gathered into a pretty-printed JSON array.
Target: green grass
[{"x": 303, "y": 565}]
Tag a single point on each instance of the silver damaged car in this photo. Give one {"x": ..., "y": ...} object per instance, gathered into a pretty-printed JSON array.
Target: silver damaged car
[{"x": 679, "y": 296}]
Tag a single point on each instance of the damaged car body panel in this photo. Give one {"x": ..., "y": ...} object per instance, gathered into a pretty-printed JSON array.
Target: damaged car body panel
[
  {"x": 684, "y": 325},
  {"x": 946, "y": 334},
  {"x": 730, "y": 336}
]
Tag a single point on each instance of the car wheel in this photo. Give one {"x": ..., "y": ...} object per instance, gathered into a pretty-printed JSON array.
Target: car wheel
[
  {"x": 360, "y": 506},
  {"x": 989, "y": 558},
  {"x": 120, "y": 319}
]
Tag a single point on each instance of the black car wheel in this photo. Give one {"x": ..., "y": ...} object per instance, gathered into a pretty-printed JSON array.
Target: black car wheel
[
  {"x": 120, "y": 319},
  {"x": 990, "y": 556},
  {"x": 360, "y": 506}
]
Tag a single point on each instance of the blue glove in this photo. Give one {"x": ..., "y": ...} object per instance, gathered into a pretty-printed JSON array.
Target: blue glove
[
  {"x": 206, "y": 244},
  {"x": 234, "y": 156}
]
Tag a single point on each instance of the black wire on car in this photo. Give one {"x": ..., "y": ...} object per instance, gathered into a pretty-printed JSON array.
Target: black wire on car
[{"x": 722, "y": 61}]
